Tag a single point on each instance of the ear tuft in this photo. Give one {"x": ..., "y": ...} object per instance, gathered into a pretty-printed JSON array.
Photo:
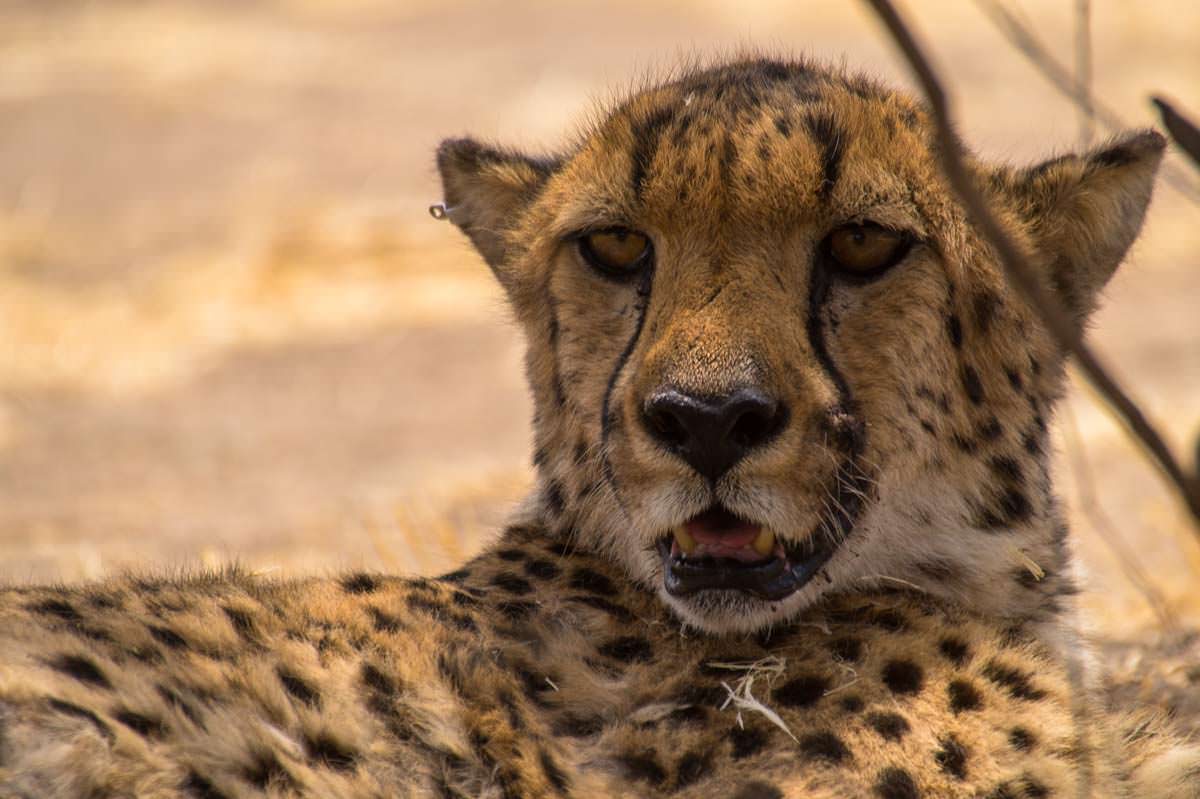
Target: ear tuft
[
  {"x": 485, "y": 190},
  {"x": 1085, "y": 211}
]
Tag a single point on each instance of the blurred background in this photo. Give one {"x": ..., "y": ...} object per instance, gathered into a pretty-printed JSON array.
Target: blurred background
[{"x": 230, "y": 331}]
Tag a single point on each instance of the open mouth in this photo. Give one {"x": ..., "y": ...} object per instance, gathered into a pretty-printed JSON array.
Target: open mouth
[{"x": 717, "y": 550}]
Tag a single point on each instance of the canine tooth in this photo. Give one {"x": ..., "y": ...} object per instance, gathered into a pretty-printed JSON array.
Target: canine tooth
[
  {"x": 765, "y": 543},
  {"x": 685, "y": 540}
]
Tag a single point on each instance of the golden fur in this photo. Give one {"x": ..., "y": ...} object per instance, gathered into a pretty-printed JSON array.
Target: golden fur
[{"x": 934, "y": 653}]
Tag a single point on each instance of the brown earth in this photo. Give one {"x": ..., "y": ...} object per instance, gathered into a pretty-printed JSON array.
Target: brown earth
[{"x": 229, "y": 331}]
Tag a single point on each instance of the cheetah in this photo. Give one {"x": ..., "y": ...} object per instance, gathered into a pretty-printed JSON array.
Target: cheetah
[{"x": 793, "y": 534}]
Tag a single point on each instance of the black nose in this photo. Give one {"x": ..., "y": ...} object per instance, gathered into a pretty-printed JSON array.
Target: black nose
[{"x": 713, "y": 433}]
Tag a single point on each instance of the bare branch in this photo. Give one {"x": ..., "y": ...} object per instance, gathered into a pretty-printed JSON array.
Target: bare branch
[
  {"x": 1061, "y": 79},
  {"x": 1185, "y": 132},
  {"x": 1064, "y": 332}
]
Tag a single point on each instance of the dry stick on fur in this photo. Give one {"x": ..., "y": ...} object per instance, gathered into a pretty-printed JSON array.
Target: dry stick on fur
[
  {"x": 1020, "y": 37},
  {"x": 1064, "y": 332},
  {"x": 1185, "y": 132}
]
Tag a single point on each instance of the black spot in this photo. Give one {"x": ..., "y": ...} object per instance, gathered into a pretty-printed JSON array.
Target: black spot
[
  {"x": 592, "y": 582},
  {"x": 1014, "y": 378},
  {"x": 692, "y": 768},
  {"x": 183, "y": 706},
  {"x": 851, "y": 703},
  {"x": 954, "y": 330},
  {"x": 515, "y": 609},
  {"x": 243, "y": 622},
  {"x": 824, "y": 746},
  {"x": 200, "y": 787},
  {"x": 889, "y": 620},
  {"x": 457, "y": 576},
  {"x": 1012, "y": 680},
  {"x": 330, "y": 752},
  {"x": 972, "y": 384},
  {"x": 554, "y": 497},
  {"x": 824, "y": 131},
  {"x": 143, "y": 725},
  {"x": 757, "y": 789},
  {"x": 943, "y": 571},
  {"x": 464, "y": 599},
  {"x": 1014, "y": 506},
  {"x": 801, "y": 691},
  {"x": 1022, "y": 739},
  {"x": 542, "y": 569},
  {"x": 80, "y": 668},
  {"x": 985, "y": 306},
  {"x": 1007, "y": 468},
  {"x": 783, "y": 125},
  {"x": 70, "y": 709},
  {"x": 358, "y": 584},
  {"x": 896, "y": 783},
  {"x": 511, "y": 555},
  {"x": 386, "y": 622},
  {"x": 991, "y": 429},
  {"x": 298, "y": 687},
  {"x": 646, "y": 138},
  {"x": 58, "y": 608},
  {"x": 963, "y": 696},
  {"x": 554, "y": 775},
  {"x": 507, "y": 581},
  {"x": 967, "y": 445},
  {"x": 600, "y": 603},
  {"x": 892, "y": 726},
  {"x": 951, "y": 757},
  {"x": 168, "y": 637},
  {"x": 954, "y": 649},
  {"x": 462, "y": 622},
  {"x": 643, "y": 767},
  {"x": 902, "y": 676},
  {"x": 747, "y": 742},
  {"x": 266, "y": 769},
  {"x": 571, "y": 725},
  {"x": 847, "y": 650},
  {"x": 928, "y": 427},
  {"x": 539, "y": 456},
  {"x": 1034, "y": 789},
  {"x": 377, "y": 681},
  {"x": 628, "y": 649}
]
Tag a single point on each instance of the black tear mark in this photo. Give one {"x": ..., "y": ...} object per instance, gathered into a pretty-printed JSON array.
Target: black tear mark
[
  {"x": 825, "y": 133},
  {"x": 608, "y": 420}
]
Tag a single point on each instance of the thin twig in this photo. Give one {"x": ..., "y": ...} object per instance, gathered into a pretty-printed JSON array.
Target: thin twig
[
  {"x": 1185, "y": 132},
  {"x": 1083, "y": 71},
  {"x": 1065, "y": 333},
  {"x": 1060, "y": 78},
  {"x": 1098, "y": 518}
]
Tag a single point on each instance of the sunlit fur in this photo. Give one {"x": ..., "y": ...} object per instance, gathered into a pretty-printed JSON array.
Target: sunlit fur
[{"x": 737, "y": 173}]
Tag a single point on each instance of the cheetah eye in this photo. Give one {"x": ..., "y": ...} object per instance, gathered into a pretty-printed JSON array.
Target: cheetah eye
[
  {"x": 866, "y": 249},
  {"x": 617, "y": 252}
]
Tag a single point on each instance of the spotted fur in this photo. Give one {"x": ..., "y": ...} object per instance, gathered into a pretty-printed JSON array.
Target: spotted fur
[{"x": 933, "y": 654}]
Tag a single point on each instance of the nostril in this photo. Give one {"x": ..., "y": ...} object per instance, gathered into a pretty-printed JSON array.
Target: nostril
[
  {"x": 757, "y": 423},
  {"x": 667, "y": 426}
]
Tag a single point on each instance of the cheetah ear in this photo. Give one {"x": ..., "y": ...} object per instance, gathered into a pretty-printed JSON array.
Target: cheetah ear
[
  {"x": 1086, "y": 210},
  {"x": 485, "y": 190}
]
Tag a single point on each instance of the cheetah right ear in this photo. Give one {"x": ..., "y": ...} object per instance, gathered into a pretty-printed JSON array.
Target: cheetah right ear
[{"x": 485, "y": 190}]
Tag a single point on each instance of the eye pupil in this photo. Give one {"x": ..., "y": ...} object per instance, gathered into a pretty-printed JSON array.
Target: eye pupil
[{"x": 865, "y": 249}]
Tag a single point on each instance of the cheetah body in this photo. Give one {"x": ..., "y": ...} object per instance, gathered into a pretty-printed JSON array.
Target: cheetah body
[{"x": 906, "y": 627}]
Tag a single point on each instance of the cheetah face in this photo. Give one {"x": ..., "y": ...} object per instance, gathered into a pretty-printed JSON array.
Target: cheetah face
[{"x": 770, "y": 358}]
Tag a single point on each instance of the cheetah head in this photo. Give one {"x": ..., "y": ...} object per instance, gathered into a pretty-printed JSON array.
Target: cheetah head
[{"x": 770, "y": 357}]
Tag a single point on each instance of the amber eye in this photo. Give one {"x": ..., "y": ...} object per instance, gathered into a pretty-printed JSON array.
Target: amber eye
[
  {"x": 617, "y": 251},
  {"x": 866, "y": 249}
]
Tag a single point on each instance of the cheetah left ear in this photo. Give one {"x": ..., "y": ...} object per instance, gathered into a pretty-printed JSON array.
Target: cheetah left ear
[
  {"x": 486, "y": 189},
  {"x": 1087, "y": 210}
]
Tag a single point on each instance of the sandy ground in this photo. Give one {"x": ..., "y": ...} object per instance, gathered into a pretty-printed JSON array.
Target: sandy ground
[{"x": 229, "y": 330}]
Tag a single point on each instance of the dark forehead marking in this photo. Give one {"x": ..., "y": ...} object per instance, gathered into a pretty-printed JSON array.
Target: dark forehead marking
[
  {"x": 647, "y": 133},
  {"x": 824, "y": 130}
]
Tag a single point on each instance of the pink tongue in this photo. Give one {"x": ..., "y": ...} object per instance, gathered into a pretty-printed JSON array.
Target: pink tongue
[{"x": 725, "y": 537}]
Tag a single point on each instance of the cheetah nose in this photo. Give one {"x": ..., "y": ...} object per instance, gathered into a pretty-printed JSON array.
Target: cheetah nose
[{"x": 713, "y": 433}]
